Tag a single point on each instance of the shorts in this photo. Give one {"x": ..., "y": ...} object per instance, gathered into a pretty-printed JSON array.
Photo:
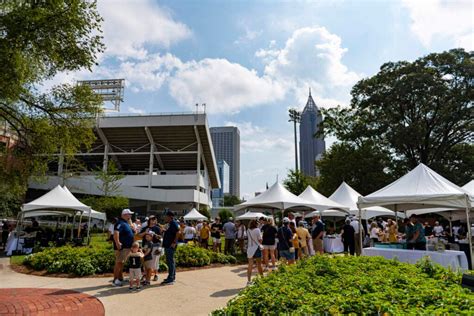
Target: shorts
[
  {"x": 318, "y": 245},
  {"x": 257, "y": 254},
  {"x": 122, "y": 255},
  {"x": 287, "y": 254},
  {"x": 216, "y": 240},
  {"x": 149, "y": 264},
  {"x": 269, "y": 247},
  {"x": 135, "y": 274}
]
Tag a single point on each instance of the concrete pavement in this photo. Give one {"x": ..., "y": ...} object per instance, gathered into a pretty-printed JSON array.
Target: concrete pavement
[{"x": 196, "y": 292}]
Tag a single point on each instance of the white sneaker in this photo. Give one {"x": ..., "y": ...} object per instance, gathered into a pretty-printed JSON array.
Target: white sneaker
[{"x": 117, "y": 282}]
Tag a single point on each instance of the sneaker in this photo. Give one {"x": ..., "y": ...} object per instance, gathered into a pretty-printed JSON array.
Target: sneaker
[
  {"x": 167, "y": 282},
  {"x": 139, "y": 288},
  {"x": 155, "y": 278},
  {"x": 117, "y": 282},
  {"x": 130, "y": 289}
]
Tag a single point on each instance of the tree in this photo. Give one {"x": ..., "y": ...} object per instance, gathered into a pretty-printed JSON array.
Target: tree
[
  {"x": 231, "y": 200},
  {"x": 365, "y": 168},
  {"x": 205, "y": 211},
  {"x": 224, "y": 215},
  {"x": 39, "y": 39},
  {"x": 109, "y": 179},
  {"x": 419, "y": 112},
  {"x": 296, "y": 182}
]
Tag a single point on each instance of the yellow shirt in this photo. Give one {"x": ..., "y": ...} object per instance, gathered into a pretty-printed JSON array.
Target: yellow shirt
[
  {"x": 303, "y": 234},
  {"x": 205, "y": 230}
]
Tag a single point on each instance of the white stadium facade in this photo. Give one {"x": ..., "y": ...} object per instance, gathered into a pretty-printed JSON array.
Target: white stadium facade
[{"x": 167, "y": 161}]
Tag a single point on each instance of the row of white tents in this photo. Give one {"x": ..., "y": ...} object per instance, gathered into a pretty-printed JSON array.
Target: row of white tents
[{"x": 420, "y": 191}]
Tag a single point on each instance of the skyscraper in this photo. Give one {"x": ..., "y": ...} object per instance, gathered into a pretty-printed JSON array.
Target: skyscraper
[
  {"x": 311, "y": 147},
  {"x": 226, "y": 141}
]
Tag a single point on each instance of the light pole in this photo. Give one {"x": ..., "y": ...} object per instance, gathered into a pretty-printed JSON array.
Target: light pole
[{"x": 295, "y": 117}]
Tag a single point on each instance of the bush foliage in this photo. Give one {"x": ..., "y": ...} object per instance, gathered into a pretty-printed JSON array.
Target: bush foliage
[
  {"x": 324, "y": 285},
  {"x": 100, "y": 258}
]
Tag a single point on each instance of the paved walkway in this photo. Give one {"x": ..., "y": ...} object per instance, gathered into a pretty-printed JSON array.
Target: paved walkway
[{"x": 195, "y": 292}]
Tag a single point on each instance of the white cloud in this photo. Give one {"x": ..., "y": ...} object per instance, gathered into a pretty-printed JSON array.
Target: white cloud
[
  {"x": 248, "y": 36},
  {"x": 451, "y": 20},
  {"x": 132, "y": 109},
  {"x": 246, "y": 129},
  {"x": 223, "y": 86},
  {"x": 129, "y": 25}
]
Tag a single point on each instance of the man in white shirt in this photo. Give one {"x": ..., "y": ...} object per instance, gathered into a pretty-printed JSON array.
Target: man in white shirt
[
  {"x": 356, "y": 226},
  {"x": 438, "y": 229},
  {"x": 189, "y": 233}
]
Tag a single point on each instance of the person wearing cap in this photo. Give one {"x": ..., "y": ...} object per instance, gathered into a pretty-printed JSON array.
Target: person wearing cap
[
  {"x": 285, "y": 242},
  {"x": 123, "y": 238},
  {"x": 317, "y": 234},
  {"x": 152, "y": 225},
  {"x": 229, "y": 234},
  {"x": 169, "y": 244},
  {"x": 304, "y": 237}
]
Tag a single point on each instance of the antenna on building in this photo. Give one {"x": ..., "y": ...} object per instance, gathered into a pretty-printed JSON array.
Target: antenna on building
[
  {"x": 309, "y": 91},
  {"x": 204, "y": 106},
  {"x": 197, "y": 108}
]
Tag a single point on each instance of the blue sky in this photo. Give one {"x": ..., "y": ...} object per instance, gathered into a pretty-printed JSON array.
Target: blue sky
[{"x": 250, "y": 61}]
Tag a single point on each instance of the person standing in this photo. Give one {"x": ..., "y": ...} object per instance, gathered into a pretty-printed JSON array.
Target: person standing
[
  {"x": 304, "y": 237},
  {"x": 189, "y": 233},
  {"x": 437, "y": 230},
  {"x": 415, "y": 235},
  {"x": 356, "y": 225},
  {"x": 216, "y": 229},
  {"x": 285, "y": 242},
  {"x": 204, "y": 234},
  {"x": 268, "y": 241},
  {"x": 317, "y": 235},
  {"x": 229, "y": 234},
  {"x": 123, "y": 238},
  {"x": 254, "y": 250},
  {"x": 241, "y": 235},
  {"x": 348, "y": 237},
  {"x": 392, "y": 231},
  {"x": 169, "y": 244}
]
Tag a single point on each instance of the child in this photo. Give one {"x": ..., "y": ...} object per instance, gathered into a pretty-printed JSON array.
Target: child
[
  {"x": 135, "y": 265},
  {"x": 147, "y": 246},
  {"x": 156, "y": 252}
]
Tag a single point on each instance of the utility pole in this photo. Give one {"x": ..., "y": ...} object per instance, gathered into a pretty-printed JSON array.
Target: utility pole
[{"x": 295, "y": 117}]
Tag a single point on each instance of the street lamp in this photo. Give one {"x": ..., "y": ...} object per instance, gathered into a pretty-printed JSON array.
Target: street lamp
[{"x": 295, "y": 117}]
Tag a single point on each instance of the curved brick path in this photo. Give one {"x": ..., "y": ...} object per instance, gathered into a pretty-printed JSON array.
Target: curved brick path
[{"x": 29, "y": 301}]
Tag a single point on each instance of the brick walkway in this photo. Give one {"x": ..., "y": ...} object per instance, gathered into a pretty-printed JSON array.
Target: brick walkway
[{"x": 30, "y": 301}]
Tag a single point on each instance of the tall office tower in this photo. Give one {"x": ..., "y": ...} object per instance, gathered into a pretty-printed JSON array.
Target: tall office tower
[
  {"x": 311, "y": 147},
  {"x": 226, "y": 141},
  {"x": 218, "y": 194}
]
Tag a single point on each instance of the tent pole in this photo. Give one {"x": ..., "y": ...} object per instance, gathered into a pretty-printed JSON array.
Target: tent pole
[
  {"x": 361, "y": 240},
  {"x": 396, "y": 215},
  {"x": 79, "y": 226},
  {"x": 89, "y": 228},
  {"x": 73, "y": 224},
  {"x": 65, "y": 227},
  {"x": 450, "y": 224},
  {"x": 469, "y": 234}
]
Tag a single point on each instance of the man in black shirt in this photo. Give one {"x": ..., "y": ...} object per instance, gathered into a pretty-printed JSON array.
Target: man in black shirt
[
  {"x": 169, "y": 244},
  {"x": 216, "y": 229},
  {"x": 317, "y": 234}
]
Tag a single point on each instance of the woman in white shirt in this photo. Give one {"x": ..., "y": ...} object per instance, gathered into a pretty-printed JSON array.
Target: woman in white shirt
[
  {"x": 374, "y": 233},
  {"x": 254, "y": 250},
  {"x": 189, "y": 233}
]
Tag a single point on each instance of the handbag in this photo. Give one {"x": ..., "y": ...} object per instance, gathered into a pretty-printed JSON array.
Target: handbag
[{"x": 259, "y": 245}]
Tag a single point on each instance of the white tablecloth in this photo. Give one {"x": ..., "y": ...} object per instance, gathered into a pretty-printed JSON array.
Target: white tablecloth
[
  {"x": 333, "y": 245},
  {"x": 12, "y": 245},
  {"x": 448, "y": 258}
]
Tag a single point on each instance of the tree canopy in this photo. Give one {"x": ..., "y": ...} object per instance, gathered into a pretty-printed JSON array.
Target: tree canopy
[
  {"x": 413, "y": 112},
  {"x": 296, "y": 182},
  {"x": 39, "y": 39}
]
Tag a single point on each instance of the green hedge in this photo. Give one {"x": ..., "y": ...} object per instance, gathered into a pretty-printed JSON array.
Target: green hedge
[
  {"x": 324, "y": 285},
  {"x": 100, "y": 259}
]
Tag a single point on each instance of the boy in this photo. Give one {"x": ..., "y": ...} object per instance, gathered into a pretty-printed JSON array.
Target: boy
[
  {"x": 135, "y": 265},
  {"x": 147, "y": 247},
  {"x": 156, "y": 252}
]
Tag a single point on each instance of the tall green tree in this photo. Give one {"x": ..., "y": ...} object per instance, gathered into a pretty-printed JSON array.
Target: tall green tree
[
  {"x": 296, "y": 182},
  {"x": 231, "y": 200},
  {"x": 109, "y": 179},
  {"x": 419, "y": 112},
  {"x": 39, "y": 39}
]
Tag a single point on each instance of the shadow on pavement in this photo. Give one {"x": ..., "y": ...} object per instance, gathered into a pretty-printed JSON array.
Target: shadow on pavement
[
  {"x": 226, "y": 293},
  {"x": 105, "y": 290}
]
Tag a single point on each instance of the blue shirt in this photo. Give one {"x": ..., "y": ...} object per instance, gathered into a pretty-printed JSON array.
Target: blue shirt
[
  {"x": 285, "y": 237},
  {"x": 125, "y": 233},
  {"x": 170, "y": 234}
]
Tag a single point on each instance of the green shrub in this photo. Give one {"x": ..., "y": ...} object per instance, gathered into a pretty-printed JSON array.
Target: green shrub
[
  {"x": 192, "y": 256},
  {"x": 326, "y": 285},
  {"x": 222, "y": 258}
]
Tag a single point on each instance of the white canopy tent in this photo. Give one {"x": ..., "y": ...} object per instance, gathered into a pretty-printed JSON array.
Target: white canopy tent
[
  {"x": 422, "y": 188},
  {"x": 347, "y": 196},
  {"x": 320, "y": 201},
  {"x": 194, "y": 215},
  {"x": 59, "y": 200},
  {"x": 251, "y": 215},
  {"x": 276, "y": 197}
]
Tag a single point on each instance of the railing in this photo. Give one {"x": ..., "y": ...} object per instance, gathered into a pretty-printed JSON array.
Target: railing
[{"x": 110, "y": 114}]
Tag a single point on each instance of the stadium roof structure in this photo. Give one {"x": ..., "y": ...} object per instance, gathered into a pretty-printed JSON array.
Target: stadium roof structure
[{"x": 164, "y": 141}]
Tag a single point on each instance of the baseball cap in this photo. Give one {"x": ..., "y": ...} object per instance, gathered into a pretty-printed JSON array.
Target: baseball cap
[
  {"x": 127, "y": 212},
  {"x": 169, "y": 213},
  {"x": 286, "y": 220}
]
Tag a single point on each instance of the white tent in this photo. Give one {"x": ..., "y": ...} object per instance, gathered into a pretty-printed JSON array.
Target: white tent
[
  {"x": 320, "y": 201},
  {"x": 469, "y": 187},
  {"x": 194, "y": 215},
  {"x": 347, "y": 196},
  {"x": 422, "y": 188},
  {"x": 276, "y": 197},
  {"x": 57, "y": 198},
  {"x": 251, "y": 215}
]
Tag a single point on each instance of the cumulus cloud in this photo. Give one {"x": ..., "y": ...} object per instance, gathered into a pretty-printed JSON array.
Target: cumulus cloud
[
  {"x": 222, "y": 85},
  {"x": 129, "y": 25},
  {"x": 442, "y": 19}
]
